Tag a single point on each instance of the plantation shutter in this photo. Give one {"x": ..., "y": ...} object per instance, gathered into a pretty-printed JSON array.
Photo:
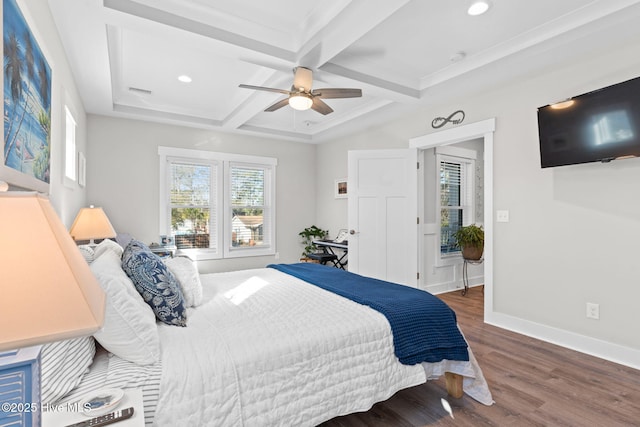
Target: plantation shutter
[
  {"x": 251, "y": 213},
  {"x": 450, "y": 183},
  {"x": 451, "y": 209}
]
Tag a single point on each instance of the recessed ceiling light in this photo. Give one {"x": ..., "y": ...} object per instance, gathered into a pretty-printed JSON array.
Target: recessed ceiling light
[
  {"x": 478, "y": 7},
  {"x": 184, "y": 78}
]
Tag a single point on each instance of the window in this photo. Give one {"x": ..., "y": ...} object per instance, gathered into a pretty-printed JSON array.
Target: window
[
  {"x": 70, "y": 147},
  {"x": 455, "y": 180},
  {"x": 451, "y": 209},
  {"x": 217, "y": 205},
  {"x": 191, "y": 192},
  {"x": 249, "y": 212}
]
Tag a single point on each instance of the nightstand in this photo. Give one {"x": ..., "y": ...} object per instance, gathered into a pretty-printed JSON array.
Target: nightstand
[
  {"x": 164, "y": 251},
  {"x": 64, "y": 414}
]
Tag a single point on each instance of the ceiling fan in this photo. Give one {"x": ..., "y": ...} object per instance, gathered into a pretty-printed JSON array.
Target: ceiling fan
[{"x": 301, "y": 97}]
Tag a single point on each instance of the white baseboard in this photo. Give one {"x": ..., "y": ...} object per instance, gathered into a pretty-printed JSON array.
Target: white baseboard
[
  {"x": 441, "y": 288},
  {"x": 592, "y": 346}
]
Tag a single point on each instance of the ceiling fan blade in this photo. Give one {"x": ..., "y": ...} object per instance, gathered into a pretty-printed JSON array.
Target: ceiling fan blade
[
  {"x": 278, "y": 105},
  {"x": 328, "y": 93},
  {"x": 320, "y": 106},
  {"x": 266, "y": 89},
  {"x": 303, "y": 78}
]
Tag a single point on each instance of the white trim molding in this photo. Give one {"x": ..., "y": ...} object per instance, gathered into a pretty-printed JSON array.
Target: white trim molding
[{"x": 592, "y": 346}]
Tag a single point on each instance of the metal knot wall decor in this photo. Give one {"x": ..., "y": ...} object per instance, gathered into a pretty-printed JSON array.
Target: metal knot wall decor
[{"x": 454, "y": 118}]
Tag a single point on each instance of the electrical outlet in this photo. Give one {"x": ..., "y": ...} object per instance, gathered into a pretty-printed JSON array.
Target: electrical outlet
[
  {"x": 277, "y": 255},
  {"x": 593, "y": 311}
]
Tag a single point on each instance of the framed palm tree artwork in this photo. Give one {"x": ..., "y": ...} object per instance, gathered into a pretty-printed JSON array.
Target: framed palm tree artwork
[{"x": 27, "y": 104}]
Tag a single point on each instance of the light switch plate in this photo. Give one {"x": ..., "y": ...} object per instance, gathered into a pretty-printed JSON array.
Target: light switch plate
[{"x": 502, "y": 216}]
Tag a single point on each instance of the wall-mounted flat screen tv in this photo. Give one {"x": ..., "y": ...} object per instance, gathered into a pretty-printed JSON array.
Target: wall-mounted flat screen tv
[{"x": 598, "y": 126}]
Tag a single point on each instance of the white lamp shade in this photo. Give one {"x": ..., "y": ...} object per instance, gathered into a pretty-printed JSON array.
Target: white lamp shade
[
  {"x": 48, "y": 291},
  {"x": 91, "y": 223},
  {"x": 300, "y": 101}
]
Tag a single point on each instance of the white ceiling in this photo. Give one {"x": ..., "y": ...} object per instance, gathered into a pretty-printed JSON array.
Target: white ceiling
[{"x": 126, "y": 55}]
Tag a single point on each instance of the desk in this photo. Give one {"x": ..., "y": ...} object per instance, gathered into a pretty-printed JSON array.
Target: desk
[{"x": 327, "y": 246}]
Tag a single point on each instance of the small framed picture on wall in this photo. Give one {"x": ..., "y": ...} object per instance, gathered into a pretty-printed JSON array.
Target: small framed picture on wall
[{"x": 341, "y": 188}]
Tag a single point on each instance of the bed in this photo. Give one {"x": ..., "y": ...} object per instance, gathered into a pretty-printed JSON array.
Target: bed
[{"x": 260, "y": 348}]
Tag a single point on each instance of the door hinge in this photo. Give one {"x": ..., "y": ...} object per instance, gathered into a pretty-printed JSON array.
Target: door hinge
[
  {"x": 418, "y": 220},
  {"x": 418, "y": 165},
  {"x": 418, "y": 276}
]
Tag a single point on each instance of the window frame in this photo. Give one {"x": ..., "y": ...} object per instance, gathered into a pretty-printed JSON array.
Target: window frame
[
  {"x": 466, "y": 159},
  {"x": 223, "y": 162},
  {"x": 70, "y": 173}
]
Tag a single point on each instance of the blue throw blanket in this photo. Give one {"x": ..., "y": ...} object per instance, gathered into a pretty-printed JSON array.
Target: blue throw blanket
[{"x": 424, "y": 328}]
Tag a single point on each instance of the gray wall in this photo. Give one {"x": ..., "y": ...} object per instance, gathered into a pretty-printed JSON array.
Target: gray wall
[
  {"x": 123, "y": 178},
  {"x": 572, "y": 233}
]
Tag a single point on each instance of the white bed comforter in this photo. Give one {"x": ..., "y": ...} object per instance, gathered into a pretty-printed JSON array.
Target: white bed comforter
[{"x": 266, "y": 349}]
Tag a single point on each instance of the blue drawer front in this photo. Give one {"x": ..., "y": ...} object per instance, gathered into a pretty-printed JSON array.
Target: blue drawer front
[{"x": 19, "y": 391}]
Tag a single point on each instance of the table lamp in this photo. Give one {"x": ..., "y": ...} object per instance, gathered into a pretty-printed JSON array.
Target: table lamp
[
  {"x": 48, "y": 294},
  {"x": 91, "y": 223}
]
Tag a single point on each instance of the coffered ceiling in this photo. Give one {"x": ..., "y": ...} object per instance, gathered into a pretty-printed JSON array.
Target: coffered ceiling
[{"x": 126, "y": 55}]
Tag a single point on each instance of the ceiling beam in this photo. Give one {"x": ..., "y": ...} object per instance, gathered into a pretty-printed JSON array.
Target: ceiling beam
[
  {"x": 199, "y": 28},
  {"x": 379, "y": 86},
  {"x": 354, "y": 21},
  {"x": 256, "y": 101}
]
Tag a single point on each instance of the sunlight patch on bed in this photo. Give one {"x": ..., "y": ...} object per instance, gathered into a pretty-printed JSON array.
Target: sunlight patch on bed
[{"x": 245, "y": 289}]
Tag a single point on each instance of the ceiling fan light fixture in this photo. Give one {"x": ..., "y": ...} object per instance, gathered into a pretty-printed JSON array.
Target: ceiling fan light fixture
[
  {"x": 300, "y": 101},
  {"x": 478, "y": 7}
]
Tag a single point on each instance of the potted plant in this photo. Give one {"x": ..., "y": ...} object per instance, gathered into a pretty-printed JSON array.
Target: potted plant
[
  {"x": 470, "y": 240},
  {"x": 310, "y": 234}
]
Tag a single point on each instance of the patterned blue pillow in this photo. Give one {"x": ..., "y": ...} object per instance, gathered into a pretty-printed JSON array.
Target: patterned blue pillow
[{"x": 158, "y": 287}]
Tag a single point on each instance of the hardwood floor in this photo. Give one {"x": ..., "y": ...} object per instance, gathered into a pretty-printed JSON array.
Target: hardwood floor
[{"x": 534, "y": 383}]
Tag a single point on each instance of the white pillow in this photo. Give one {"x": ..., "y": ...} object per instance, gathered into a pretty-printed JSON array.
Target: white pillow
[
  {"x": 87, "y": 252},
  {"x": 62, "y": 365},
  {"x": 187, "y": 275},
  {"x": 129, "y": 329},
  {"x": 107, "y": 245}
]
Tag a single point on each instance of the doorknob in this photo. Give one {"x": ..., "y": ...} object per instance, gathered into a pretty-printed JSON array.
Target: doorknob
[{"x": 352, "y": 232}]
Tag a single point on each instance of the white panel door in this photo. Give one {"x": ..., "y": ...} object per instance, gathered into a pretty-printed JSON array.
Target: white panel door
[{"x": 383, "y": 211}]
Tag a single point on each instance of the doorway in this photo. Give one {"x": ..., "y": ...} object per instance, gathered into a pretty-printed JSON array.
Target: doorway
[
  {"x": 483, "y": 132},
  {"x": 452, "y": 178}
]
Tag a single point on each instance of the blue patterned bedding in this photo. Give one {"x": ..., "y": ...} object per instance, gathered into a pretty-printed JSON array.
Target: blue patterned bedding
[{"x": 424, "y": 328}]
